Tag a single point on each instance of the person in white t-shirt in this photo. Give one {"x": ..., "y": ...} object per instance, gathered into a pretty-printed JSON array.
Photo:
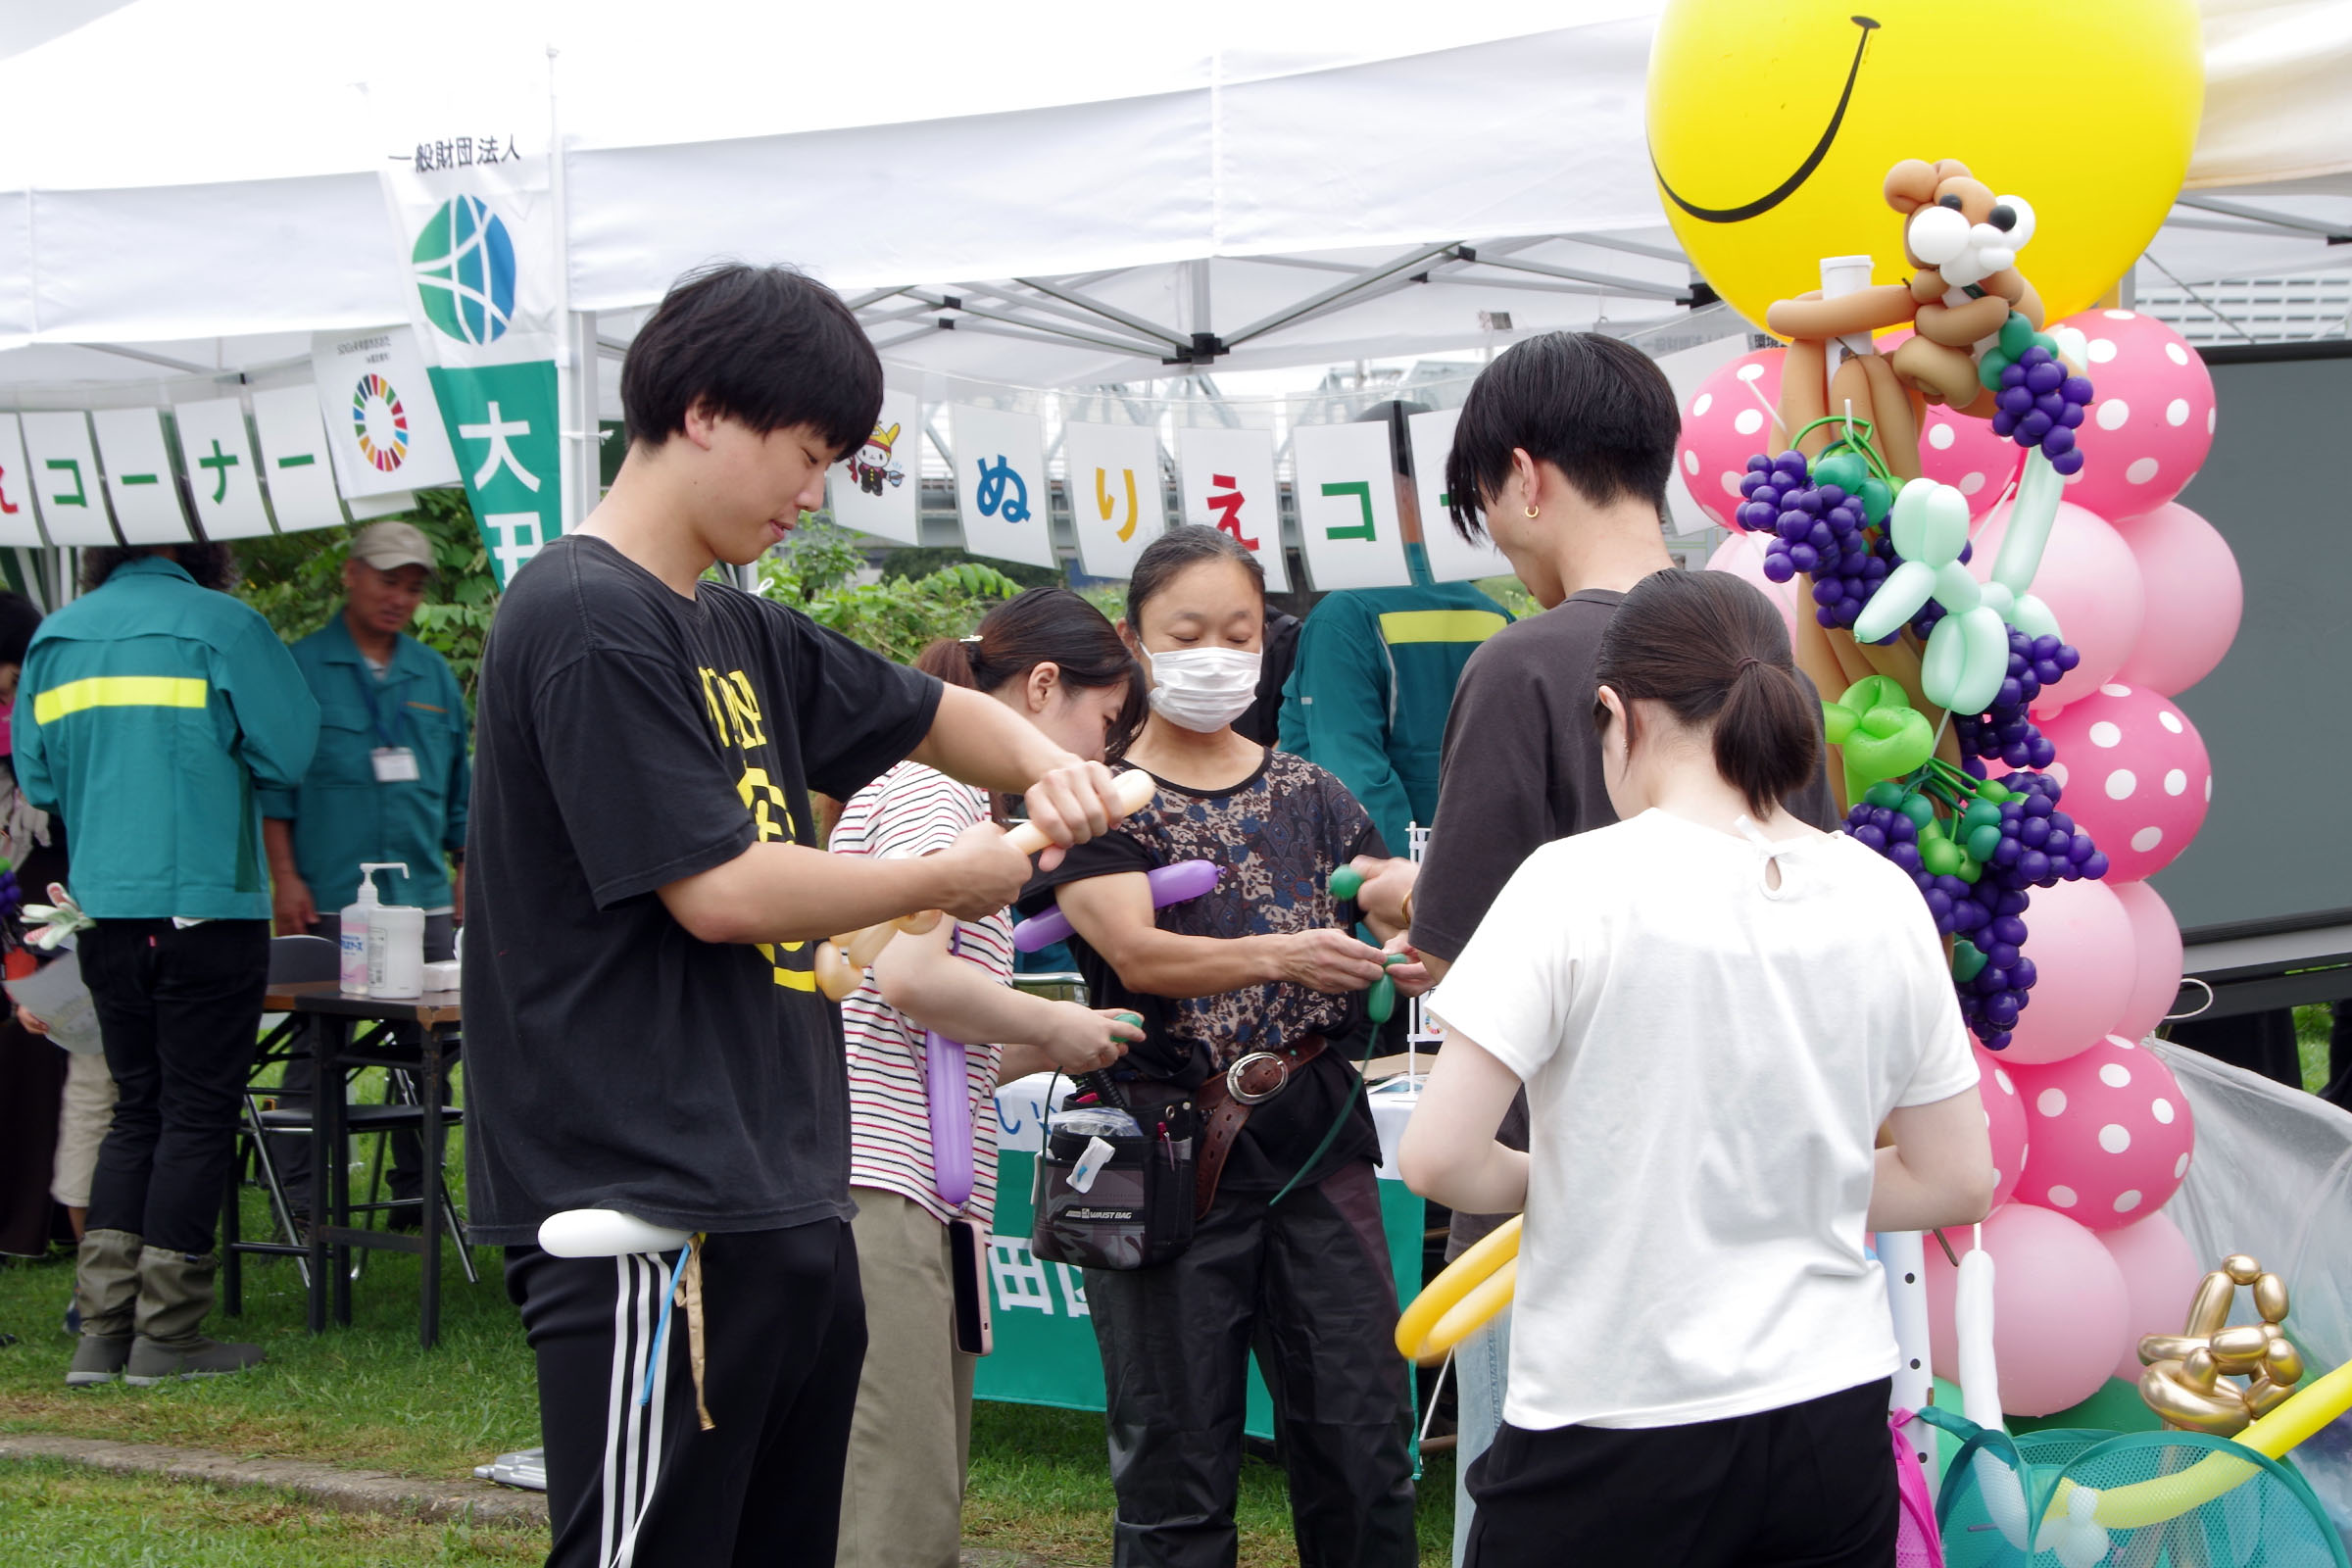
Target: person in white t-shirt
[
  {"x": 1052, "y": 658},
  {"x": 1714, "y": 1010}
]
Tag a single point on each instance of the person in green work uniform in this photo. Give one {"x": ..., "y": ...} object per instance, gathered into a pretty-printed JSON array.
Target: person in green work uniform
[
  {"x": 1376, "y": 670},
  {"x": 388, "y": 784},
  {"x": 150, "y": 714}
]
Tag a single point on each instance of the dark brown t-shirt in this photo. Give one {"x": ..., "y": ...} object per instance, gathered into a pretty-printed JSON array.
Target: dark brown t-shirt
[{"x": 1521, "y": 768}]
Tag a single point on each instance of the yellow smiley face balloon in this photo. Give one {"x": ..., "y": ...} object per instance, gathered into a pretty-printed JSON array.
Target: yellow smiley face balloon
[{"x": 1773, "y": 124}]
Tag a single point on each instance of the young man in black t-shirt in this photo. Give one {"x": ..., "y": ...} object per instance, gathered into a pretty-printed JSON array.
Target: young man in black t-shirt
[{"x": 643, "y": 1029}]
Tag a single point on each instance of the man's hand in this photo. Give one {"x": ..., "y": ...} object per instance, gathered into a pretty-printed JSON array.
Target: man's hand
[
  {"x": 1329, "y": 960},
  {"x": 1410, "y": 979},
  {"x": 1070, "y": 804},
  {"x": 978, "y": 874},
  {"x": 1086, "y": 1041},
  {"x": 291, "y": 901},
  {"x": 1387, "y": 883},
  {"x": 29, "y": 1024}
]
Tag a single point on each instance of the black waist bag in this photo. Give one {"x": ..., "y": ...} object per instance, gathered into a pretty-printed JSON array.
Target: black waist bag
[{"x": 1138, "y": 1210}]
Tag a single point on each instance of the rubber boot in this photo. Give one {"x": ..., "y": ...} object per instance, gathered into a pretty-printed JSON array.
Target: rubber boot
[
  {"x": 175, "y": 1296},
  {"x": 106, "y": 1285}
]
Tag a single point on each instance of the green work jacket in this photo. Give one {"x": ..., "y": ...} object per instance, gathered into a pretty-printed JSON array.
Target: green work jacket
[
  {"x": 1368, "y": 696},
  {"x": 150, "y": 714},
  {"x": 341, "y": 815}
]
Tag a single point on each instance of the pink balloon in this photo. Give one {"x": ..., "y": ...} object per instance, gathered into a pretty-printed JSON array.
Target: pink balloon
[
  {"x": 2081, "y": 941},
  {"x": 1743, "y": 555},
  {"x": 2005, "y": 1121},
  {"x": 2193, "y": 594},
  {"x": 2110, "y": 1134},
  {"x": 2160, "y": 1275},
  {"x": 2134, "y": 773},
  {"x": 2059, "y": 1309},
  {"x": 2091, "y": 580},
  {"x": 1728, "y": 421},
  {"x": 2156, "y": 943},
  {"x": 2151, "y": 421},
  {"x": 1959, "y": 451}
]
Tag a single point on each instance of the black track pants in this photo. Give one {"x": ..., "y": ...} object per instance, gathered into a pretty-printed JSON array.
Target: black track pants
[
  {"x": 1308, "y": 1281},
  {"x": 642, "y": 1485}
]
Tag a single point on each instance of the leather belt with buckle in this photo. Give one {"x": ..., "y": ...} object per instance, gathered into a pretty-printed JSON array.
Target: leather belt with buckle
[
  {"x": 1227, "y": 1099},
  {"x": 1258, "y": 1077}
]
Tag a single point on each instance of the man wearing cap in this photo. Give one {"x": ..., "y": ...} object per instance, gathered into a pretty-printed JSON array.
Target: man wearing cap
[{"x": 388, "y": 783}]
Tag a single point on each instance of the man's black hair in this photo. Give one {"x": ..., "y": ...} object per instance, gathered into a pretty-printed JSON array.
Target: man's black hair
[
  {"x": 19, "y": 618},
  {"x": 768, "y": 346},
  {"x": 211, "y": 564},
  {"x": 1596, "y": 407}
]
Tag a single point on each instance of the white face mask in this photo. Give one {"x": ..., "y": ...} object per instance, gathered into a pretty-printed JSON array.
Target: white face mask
[{"x": 1203, "y": 689}]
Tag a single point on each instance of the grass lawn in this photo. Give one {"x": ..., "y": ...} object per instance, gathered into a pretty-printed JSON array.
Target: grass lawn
[
  {"x": 369, "y": 1397},
  {"x": 2312, "y": 1026}
]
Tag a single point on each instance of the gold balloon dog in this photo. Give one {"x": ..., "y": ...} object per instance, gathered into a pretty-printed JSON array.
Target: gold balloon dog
[{"x": 2191, "y": 1376}]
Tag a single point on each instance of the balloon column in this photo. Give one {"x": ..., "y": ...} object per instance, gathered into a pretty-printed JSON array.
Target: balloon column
[{"x": 1998, "y": 597}]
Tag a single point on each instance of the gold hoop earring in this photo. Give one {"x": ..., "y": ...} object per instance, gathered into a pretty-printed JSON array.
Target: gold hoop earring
[{"x": 1533, "y": 512}]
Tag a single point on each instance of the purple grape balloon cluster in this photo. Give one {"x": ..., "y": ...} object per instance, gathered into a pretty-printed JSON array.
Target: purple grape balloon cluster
[
  {"x": 1815, "y": 528},
  {"x": 2040, "y": 406},
  {"x": 2004, "y": 732}
]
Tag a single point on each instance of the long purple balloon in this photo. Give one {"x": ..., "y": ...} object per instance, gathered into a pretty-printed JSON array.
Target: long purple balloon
[
  {"x": 1170, "y": 884},
  {"x": 951, "y": 1096}
]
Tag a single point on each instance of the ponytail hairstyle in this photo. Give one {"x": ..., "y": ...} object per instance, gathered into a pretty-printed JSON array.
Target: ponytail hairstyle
[
  {"x": 1045, "y": 626},
  {"x": 1715, "y": 651}
]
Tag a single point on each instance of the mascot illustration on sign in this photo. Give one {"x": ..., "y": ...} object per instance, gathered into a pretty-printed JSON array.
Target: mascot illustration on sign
[{"x": 873, "y": 463}]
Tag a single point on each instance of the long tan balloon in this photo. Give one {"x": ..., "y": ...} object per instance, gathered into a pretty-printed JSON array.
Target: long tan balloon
[{"x": 1132, "y": 789}]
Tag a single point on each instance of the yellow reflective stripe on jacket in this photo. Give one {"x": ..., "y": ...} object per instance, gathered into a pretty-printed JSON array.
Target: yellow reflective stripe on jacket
[
  {"x": 120, "y": 691},
  {"x": 1440, "y": 625}
]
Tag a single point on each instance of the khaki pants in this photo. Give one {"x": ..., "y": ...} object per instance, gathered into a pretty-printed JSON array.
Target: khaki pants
[
  {"x": 902, "y": 1499},
  {"x": 85, "y": 1113}
]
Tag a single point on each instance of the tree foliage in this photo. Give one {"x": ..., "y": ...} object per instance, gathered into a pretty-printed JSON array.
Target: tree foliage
[{"x": 816, "y": 570}]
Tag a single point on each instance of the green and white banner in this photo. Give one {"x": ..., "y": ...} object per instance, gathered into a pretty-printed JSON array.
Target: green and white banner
[{"x": 481, "y": 248}]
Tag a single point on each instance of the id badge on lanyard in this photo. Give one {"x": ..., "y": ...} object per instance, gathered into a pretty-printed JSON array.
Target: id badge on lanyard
[{"x": 393, "y": 764}]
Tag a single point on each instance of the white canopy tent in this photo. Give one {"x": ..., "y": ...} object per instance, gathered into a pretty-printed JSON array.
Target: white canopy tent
[{"x": 1074, "y": 196}]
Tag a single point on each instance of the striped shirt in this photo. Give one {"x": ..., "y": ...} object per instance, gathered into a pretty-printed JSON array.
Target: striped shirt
[{"x": 911, "y": 811}]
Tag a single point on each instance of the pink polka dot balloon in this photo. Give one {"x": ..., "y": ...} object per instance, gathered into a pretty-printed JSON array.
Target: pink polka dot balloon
[
  {"x": 1959, "y": 451},
  {"x": 2004, "y": 1121},
  {"x": 2152, "y": 420},
  {"x": 2156, "y": 944},
  {"x": 2110, "y": 1134},
  {"x": 2136, "y": 774},
  {"x": 2081, "y": 945},
  {"x": 1728, "y": 420},
  {"x": 2091, "y": 580},
  {"x": 1743, "y": 555},
  {"x": 2194, "y": 592},
  {"x": 2059, "y": 1309}
]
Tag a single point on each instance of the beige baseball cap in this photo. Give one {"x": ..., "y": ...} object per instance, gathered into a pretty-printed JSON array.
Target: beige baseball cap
[{"x": 390, "y": 546}]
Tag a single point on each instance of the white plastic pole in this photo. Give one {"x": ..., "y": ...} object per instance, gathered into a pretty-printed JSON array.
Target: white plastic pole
[{"x": 1903, "y": 1255}]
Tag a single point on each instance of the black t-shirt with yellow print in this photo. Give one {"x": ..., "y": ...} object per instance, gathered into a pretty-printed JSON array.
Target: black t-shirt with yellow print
[{"x": 627, "y": 737}]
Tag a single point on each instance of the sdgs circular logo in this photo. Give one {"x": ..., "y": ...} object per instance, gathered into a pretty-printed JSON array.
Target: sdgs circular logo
[
  {"x": 379, "y": 422},
  {"x": 465, "y": 264}
]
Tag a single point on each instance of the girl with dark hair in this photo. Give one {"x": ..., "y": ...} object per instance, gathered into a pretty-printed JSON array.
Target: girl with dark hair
[
  {"x": 1252, "y": 996},
  {"x": 1713, "y": 1008},
  {"x": 1052, "y": 658}
]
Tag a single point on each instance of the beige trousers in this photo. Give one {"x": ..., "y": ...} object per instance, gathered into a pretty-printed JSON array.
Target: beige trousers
[
  {"x": 87, "y": 1111},
  {"x": 902, "y": 1497}
]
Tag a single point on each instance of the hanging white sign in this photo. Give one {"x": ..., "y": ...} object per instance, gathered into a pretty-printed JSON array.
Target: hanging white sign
[
  {"x": 220, "y": 464},
  {"x": 1226, "y": 478},
  {"x": 383, "y": 422},
  {"x": 139, "y": 478},
  {"x": 20, "y": 517},
  {"x": 64, "y": 476},
  {"x": 1114, "y": 491},
  {"x": 1348, "y": 521},
  {"x": 1001, "y": 495},
  {"x": 877, "y": 489},
  {"x": 296, "y": 462},
  {"x": 1451, "y": 558}
]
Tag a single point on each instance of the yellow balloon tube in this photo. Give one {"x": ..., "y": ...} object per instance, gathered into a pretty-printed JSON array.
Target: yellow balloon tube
[{"x": 1473, "y": 1288}]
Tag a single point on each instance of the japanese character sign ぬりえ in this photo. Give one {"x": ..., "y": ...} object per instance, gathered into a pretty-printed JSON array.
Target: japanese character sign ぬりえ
[
  {"x": 1115, "y": 493},
  {"x": 1227, "y": 480},
  {"x": 1000, "y": 488}
]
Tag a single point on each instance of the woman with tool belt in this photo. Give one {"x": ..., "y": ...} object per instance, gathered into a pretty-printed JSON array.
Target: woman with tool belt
[
  {"x": 1051, "y": 658},
  {"x": 1252, "y": 996}
]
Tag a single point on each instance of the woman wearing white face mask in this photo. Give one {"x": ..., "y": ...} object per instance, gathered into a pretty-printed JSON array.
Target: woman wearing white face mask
[{"x": 1256, "y": 987}]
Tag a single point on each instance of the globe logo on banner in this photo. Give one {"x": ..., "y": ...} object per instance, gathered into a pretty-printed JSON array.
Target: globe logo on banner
[
  {"x": 379, "y": 423},
  {"x": 464, "y": 262}
]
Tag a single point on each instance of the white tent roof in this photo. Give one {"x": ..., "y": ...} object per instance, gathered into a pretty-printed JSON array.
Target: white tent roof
[{"x": 197, "y": 181}]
